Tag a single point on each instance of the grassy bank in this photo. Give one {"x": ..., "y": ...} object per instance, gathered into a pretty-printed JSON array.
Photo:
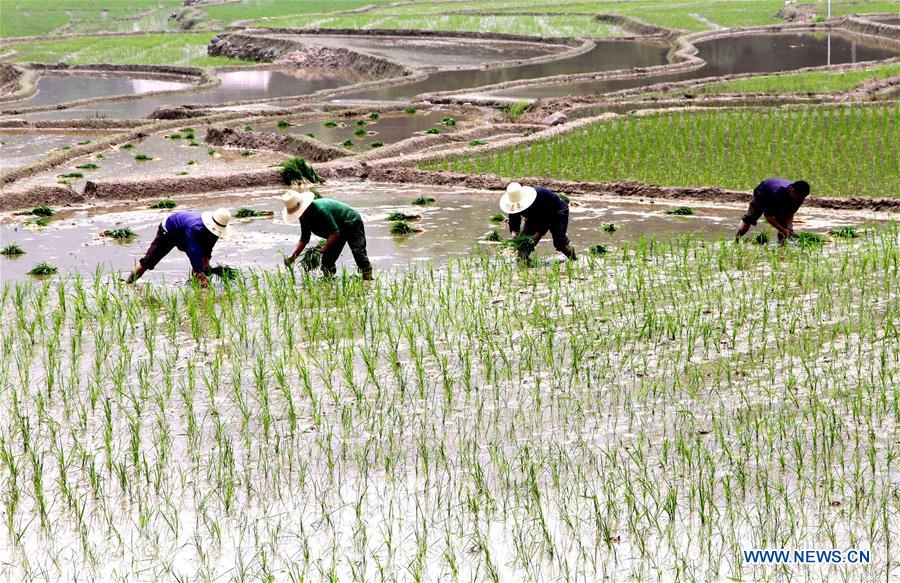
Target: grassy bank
[
  {"x": 811, "y": 82},
  {"x": 841, "y": 151},
  {"x": 41, "y": 17},
  {"x": 188, "y": 49},
  {"x": 486, "y": 422}
]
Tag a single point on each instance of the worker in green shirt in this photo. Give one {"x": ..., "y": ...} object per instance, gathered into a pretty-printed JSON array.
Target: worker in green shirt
[{"x": 332, "y": 220}]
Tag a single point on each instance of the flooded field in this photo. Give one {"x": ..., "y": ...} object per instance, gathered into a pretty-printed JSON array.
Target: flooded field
[
  {"x": 171, "y": 154},
  {"x": 762, "y": 53},
  {"x": 21, "y": 147},
  {"x": 53, "y": 89},
  {"x": 235, "y": 86},
  {"x": 431, "y": 52},
  {"x": 606, "y": 56},
  {"x": 387, "y": 129},
  {"x": 453, "y": 227}
]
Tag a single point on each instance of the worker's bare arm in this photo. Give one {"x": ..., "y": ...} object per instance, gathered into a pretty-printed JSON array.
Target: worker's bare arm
[
  {"x": 742, "y": 230},
  {"x": 779, "y": 227},
  {"x": 330, "y": 242}
]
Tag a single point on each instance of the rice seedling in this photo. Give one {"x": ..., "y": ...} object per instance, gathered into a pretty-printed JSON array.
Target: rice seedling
[
  {"x": 194, "y": 143},
  {"x": 360, "y": 132},
  {"x": 681, "y": 211},
  {"x": 72, "y": 175},
  {"x": 807, "y": 239},
  {"x": 211, "y": 152},
  {"x": 88, "y": 166},
  {"x": 597, "y": 249},
  {"x": 38, "y": 222},
  {"x": 493, "y": 236},
  {"x": 376, "y": 144},
  {"x": 142, "y": 158},
  {"x": 609, "y": 228},
  {"x": 127, "y": 146},
  {"x": 248, "y": 128},
  {"x": 846, "y": 232},
  {"x": 361, "y": 123},
  {"x": 43, "y": 269},
  {"x": 43, "y": 210},
  {"x": 761, "y": 238},
  {"x": 191, "y": 162},
  {"x": 401, "y": 216},
  {"x": 374, "y": 116},
  {"x": 347, "y": 143},
  {"x": 433, "y": 131},
  {"x": 402, "y": 228},
  {"x": 498, "y": 218},
  {"x": 330, "y": 124},
  {"x": 714, "y": 148},
  {"x": 225, "y": 272},
  {"x": 448, "y": 121},
  {"x": 12, "y": 250},
  {"x": 247, "y": 153},
  {"x": 247, "y": 213},
  {"x": 311, "y": 258},
  {"x": 631, "y": 418},
  {"x": 84, "y": 142},
  {"x": 409, "y": 110},
  {"x": 299, "y": 170},
  {"x": 283, "y": 123},
  {"x": 175, "y": 136},
  {"x": 523, "y": 245},
  {"x": 423, "y": 200},
  {"x": 310, "y": 135},
  {"x": 123, "y": 234}
]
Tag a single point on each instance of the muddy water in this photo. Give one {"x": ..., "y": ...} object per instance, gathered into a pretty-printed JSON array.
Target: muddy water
[
  {"x": 454, "y": 226},
  {"x": 763, "y": 53},
  {"x": 606, "y": 56},
  {"x": 55, "y": 89},
  {"x": 432, "y": 52},
  {"x": 387, "y": 129},
  {"x": 18, "y": 148},
  {"x": 170, "y": 157},
  {"x": 235, "y": 86}
]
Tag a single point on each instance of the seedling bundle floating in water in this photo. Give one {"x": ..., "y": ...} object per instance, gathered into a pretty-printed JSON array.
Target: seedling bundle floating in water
[
  {"x": 682, "y": 211},
  {"x": 123, "y": 234},
  {"x": 402, "y": 228},
  {"x": 401, "y": 216},
  {"x": 597, "y": 249},
  {"x": 12, "y": 250},
  {"x": 423, "y": 201},
  {"x": 43, "y": 211},
  {"x": 609, "y": 228},
  {"x": 246, "y": 213},
  {"x": 43, "y": 268}
]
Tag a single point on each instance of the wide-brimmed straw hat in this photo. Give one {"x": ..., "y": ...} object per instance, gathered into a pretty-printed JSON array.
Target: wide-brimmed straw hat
[
  {"x": 295, "y": 204},
  {"x": 517, "y": 198},
  {"x": 217, "y": 222}
]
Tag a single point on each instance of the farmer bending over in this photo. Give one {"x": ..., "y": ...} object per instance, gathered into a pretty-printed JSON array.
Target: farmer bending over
[
  {"x": 192, "y": 232},
  {"x": 332, "y": 220},
  {"x": 543, "y": 210},
  {"x": 777, "y": 199}
]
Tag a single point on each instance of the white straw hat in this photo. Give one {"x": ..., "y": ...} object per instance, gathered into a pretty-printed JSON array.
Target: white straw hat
[
  {"x": 295, "y": 204},
  {"x": 517, "y": 198},
  {"x": 217, "y": 221}
]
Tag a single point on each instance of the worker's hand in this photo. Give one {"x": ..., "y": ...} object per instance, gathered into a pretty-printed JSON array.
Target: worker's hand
[
  {"x": 514, "y": 233},
  {"x": 202, "y": 279},
  {"x": 289, "y": 260}
]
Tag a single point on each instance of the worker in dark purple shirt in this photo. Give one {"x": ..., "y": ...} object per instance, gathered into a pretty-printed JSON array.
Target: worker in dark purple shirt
[
  {"x": 543, "y": 210},
  {"x": 778, "y": 199},
  {"x": 191, "y": 232}
]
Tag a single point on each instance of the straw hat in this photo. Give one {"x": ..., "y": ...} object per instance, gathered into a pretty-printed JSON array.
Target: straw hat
[
  {"x": 517, "y": 198},
  {"x": 217, "y": 221},
  {"x": 295, "y": 204}
]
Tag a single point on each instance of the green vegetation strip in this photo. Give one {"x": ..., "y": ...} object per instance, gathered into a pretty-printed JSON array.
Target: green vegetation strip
[
  {"x": 811, "y": 82},
  {"x": 628, "y": 416},
  {"x": 176, "y": 49},
  {"x": 841, "y": 151}
]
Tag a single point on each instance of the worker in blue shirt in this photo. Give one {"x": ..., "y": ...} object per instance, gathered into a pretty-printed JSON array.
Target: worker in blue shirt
[
  {"x": 778, "y": 199},
  {"x": 191, "y": 232}
]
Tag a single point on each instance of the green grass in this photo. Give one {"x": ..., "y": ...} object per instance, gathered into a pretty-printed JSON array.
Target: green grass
[
  {"x": 254, "y": 9},
  {"x": 839, "y": 150},
  {"x": 44, "y": 17},
  {"x": 811, "y": 82},
  {"x": 529, "y": 25},
  {"x": 177, "y": 49},
  {"x": 165, "y": 203}
]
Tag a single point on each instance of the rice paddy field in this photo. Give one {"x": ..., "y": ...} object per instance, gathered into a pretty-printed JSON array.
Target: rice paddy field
[
  {"x": 186, "y": 50},
  {"x": 480, "y": 421},
  {"x": 842, "y": 147},
  {"x": 811, "y": 82}
]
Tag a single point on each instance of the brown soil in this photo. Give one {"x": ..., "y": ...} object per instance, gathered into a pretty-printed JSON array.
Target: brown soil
[{"x": 306, "y": 147}]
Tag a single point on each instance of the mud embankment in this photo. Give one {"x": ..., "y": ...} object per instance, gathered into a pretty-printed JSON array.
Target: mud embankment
[
  {"x": 281, "y": 50},
  {"x": 304, "y": 146},
  {"x": 863, "y": 25},
  {"x": 634, "y": 25}
]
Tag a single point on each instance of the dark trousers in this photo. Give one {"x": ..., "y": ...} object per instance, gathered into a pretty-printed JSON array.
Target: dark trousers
[
  {"x": 355, "y": 237},
  {"x": 558, "y": 225},
  {"x": 161, "y": 246}
]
